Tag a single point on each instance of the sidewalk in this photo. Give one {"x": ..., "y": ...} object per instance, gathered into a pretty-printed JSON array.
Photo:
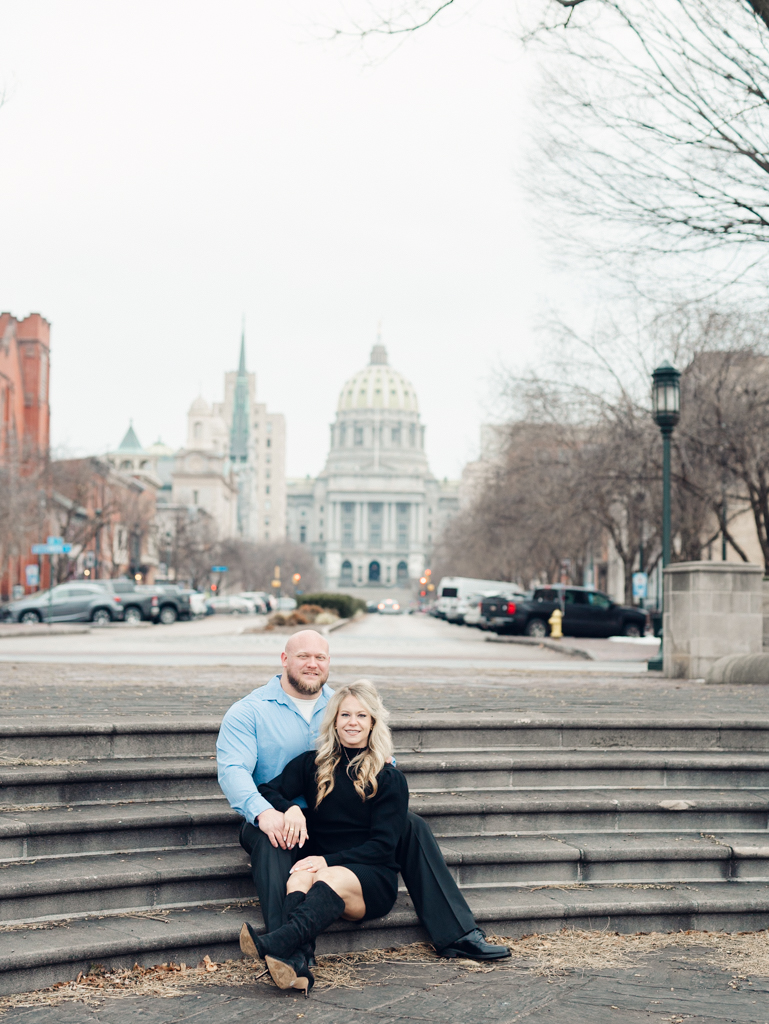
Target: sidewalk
[{"x": 699, "y": 980}]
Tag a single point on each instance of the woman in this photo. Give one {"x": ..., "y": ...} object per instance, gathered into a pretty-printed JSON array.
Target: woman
[{"x": 356, "y": 811}]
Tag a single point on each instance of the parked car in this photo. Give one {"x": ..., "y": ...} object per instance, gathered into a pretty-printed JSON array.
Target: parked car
[
  {"x": 372, "y": 606},
  {"x": 198, "y": 604},
  {"x": 68, "y": 602},
  {"x": 389, "y": 607},
  {"x": 142, "y": 604},
  {"x": 172, "y": 601},
  {"x": 452, "y": 589},
  {"x": 231, "y": 605},
  {"x": 586, "y": 612},
  {"x": 473, "y": 613},
  {"x": 257, "y": 599},
  {"x": 285, "y": 604}
]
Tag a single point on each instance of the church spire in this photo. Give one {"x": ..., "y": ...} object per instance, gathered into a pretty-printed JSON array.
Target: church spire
[
  {"x": 242, "y": 364},
  {"x": 239, "y": 428}
]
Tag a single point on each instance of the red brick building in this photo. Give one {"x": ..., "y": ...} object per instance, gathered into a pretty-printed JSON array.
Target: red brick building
[{"x": 24, "y": 441}]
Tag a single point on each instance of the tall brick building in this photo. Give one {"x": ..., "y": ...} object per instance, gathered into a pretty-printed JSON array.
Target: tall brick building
[{"x": 24, "y": 438}]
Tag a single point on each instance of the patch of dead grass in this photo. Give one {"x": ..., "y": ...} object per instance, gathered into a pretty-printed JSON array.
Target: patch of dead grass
[{"x": 743, "y": 954}]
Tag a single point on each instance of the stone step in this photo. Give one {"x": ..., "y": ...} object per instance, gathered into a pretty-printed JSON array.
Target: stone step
[
  {"x": 607, "y": 858},
  {"x": 485, "y": 812},
  {"x": 542, "y": 769},
  {"x": 168, "y": 778},
  {"x": 55, "y": 887},
  {"x": 102, "y": 828},
  {"x": 153, "y": 737},
  {"x": 71, "y": 886},
  {"x": 37, "y": 958},
  {"x": 158, "y": 778},
  {"x": 164, "y": 823}
]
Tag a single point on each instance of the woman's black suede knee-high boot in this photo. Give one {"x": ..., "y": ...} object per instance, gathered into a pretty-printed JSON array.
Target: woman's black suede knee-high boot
[
  {"x": 249, "y": 935},
  {"x": 308, "y": 918}
]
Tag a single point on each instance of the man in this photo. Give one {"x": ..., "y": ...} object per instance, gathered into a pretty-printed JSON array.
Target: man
[{"x": 259, "y": 735}]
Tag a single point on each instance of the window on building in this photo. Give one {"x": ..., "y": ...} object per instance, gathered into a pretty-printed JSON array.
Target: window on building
[
  {"x": 358, "y": 436},
  {"x": 412, "y": 435},
  {"x": 197, "y": 431},
  {"x": 348, "y": 523},
  {"x": 374, "y": 572},
  {"x": 267, "y": 489},
  {"x": 267, "y": 521},
  {"x": 269, "y": 442},
  {"x": 396, "y": 435},
  {"x": 342, "y": 435},
  {"x": 126, "y": 464},
  {"x": 267, "y": 474},
  {"x": 194, "y": 497},
  {"x": 268, "y": 458},
  {"x": 267, "y": 503},
  {"x": 346, "y": 574},
  {"x": 269, "y": 428},
  {"x": 302, "y": 534},
  {"x": 403, "y": 573},
  {"x": 402, "y": 523},
  {"x": 375, "y": 520}
]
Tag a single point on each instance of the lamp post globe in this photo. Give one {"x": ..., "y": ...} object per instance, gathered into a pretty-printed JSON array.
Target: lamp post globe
[{"x": 666, "y": 396}]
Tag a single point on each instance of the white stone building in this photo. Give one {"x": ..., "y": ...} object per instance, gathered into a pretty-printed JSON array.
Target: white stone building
[
  {"x": 246, "y": 445},
  {"x": 373, "y": 514}
]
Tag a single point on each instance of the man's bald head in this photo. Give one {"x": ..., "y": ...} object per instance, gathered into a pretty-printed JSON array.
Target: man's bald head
[
  {"x": 305, "y": 663},
  {"x": 306, "y": 640}
]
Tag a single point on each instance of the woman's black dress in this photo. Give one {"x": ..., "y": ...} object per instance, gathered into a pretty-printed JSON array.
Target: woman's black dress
[{"x": 357, "y": 834}]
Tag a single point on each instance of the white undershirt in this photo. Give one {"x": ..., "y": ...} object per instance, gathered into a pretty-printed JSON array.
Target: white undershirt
[{"x": 304, "y": 707}]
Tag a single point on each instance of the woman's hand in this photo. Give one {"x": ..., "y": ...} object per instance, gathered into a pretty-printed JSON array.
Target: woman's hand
[
  {"x": 295, "y": 827},
  {"x": 309, "y": 864}
]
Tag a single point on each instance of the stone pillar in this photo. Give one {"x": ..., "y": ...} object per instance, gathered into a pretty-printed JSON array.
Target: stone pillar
[{"x": 712, "y": 609}]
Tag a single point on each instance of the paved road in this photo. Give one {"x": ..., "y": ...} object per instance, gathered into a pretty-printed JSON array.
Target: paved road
[{"x": 396, "y": 641}]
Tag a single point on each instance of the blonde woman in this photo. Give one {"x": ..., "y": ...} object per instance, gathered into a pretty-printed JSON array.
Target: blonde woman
[{"x": 356, "y": 811}]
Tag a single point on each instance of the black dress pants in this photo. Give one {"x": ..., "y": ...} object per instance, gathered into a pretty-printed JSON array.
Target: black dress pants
[{"x": 440, "y": 905}]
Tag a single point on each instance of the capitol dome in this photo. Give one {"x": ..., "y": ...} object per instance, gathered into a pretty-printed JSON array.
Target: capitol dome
[{"x": 378, "y": 386}]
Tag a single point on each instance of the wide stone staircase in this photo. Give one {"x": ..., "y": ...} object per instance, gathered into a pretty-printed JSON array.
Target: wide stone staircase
[{"x": 116, "y": 845}]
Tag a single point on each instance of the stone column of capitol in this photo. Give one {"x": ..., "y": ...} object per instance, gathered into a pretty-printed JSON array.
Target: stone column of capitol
[{"x": 373, "y": 514}]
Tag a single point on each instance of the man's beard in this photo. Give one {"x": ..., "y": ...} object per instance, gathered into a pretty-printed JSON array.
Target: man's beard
[{"x": 310, "y": 689}]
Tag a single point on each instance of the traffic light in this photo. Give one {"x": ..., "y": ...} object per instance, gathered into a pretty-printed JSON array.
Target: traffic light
[
  {"x": 296, "y": 577},
  {"x": 423, "y": 580}
]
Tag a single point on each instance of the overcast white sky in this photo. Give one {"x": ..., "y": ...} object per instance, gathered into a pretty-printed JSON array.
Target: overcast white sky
[{"x": 168, "y": 166}]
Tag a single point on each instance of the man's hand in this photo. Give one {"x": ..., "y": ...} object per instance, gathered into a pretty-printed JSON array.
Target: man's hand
[
  {"x": 272, "y": 823},
  {"x": 309, "y": 864},
  {"x": 295, "y": 827}
]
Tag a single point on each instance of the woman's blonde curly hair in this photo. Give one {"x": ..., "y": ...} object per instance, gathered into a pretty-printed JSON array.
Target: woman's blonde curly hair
[{"x": 365, "y": 766}]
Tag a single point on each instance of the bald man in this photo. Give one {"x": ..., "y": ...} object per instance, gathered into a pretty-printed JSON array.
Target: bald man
[{"x": 259, "y": 735}]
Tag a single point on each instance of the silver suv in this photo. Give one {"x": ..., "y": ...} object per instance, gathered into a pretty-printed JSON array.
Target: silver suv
[{"x": 69, "y": 602}]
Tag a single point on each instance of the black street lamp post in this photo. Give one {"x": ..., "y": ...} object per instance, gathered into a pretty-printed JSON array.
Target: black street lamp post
[{"x": 666, "y": 410}]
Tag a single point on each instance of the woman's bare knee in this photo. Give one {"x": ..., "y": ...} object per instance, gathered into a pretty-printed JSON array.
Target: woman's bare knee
[{"x": 300, "y": 881}]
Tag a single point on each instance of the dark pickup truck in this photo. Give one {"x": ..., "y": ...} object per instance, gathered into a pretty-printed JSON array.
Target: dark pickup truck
[
  {"x": 586, "y": 612},
  {"x": 161, "y": 602}
]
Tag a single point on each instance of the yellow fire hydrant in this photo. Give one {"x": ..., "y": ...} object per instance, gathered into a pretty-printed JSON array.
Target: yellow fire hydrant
[{"x": 554, "y": 622}]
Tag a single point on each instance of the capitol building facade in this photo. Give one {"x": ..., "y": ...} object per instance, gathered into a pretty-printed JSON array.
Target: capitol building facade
[{"x": 372, "y": 515}]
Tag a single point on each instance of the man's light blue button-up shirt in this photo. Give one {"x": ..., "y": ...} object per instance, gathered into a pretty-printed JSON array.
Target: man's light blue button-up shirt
[{"x": 267, "y": 714}]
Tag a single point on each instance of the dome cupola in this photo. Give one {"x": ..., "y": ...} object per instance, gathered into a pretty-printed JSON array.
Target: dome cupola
[{"x": 378, "y": 387}]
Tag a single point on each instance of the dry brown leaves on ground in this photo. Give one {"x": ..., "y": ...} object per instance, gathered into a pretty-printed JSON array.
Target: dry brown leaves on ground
[{"x": 743, "y": 954}]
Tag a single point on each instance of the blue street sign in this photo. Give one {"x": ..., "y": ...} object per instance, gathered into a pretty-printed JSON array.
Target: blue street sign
[
  {"x": 219, "y": 568},
  {"x": 640, "y": 584},
  {"x": 33, "y": 575},
  {"x": 51, "y": 549}
]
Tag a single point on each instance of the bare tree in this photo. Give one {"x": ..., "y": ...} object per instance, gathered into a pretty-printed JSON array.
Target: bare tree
[{"x": 252, "y": 565}]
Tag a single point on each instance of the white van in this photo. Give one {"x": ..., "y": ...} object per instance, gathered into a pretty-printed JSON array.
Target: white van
[{"x": 453, "y": 589}]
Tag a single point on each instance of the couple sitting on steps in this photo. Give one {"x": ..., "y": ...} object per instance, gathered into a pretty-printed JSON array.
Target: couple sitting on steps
[{"x": 311, "y": 772}]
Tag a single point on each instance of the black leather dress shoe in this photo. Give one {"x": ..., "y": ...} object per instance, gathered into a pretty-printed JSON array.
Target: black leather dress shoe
[{"x": 474, "y": 946}]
